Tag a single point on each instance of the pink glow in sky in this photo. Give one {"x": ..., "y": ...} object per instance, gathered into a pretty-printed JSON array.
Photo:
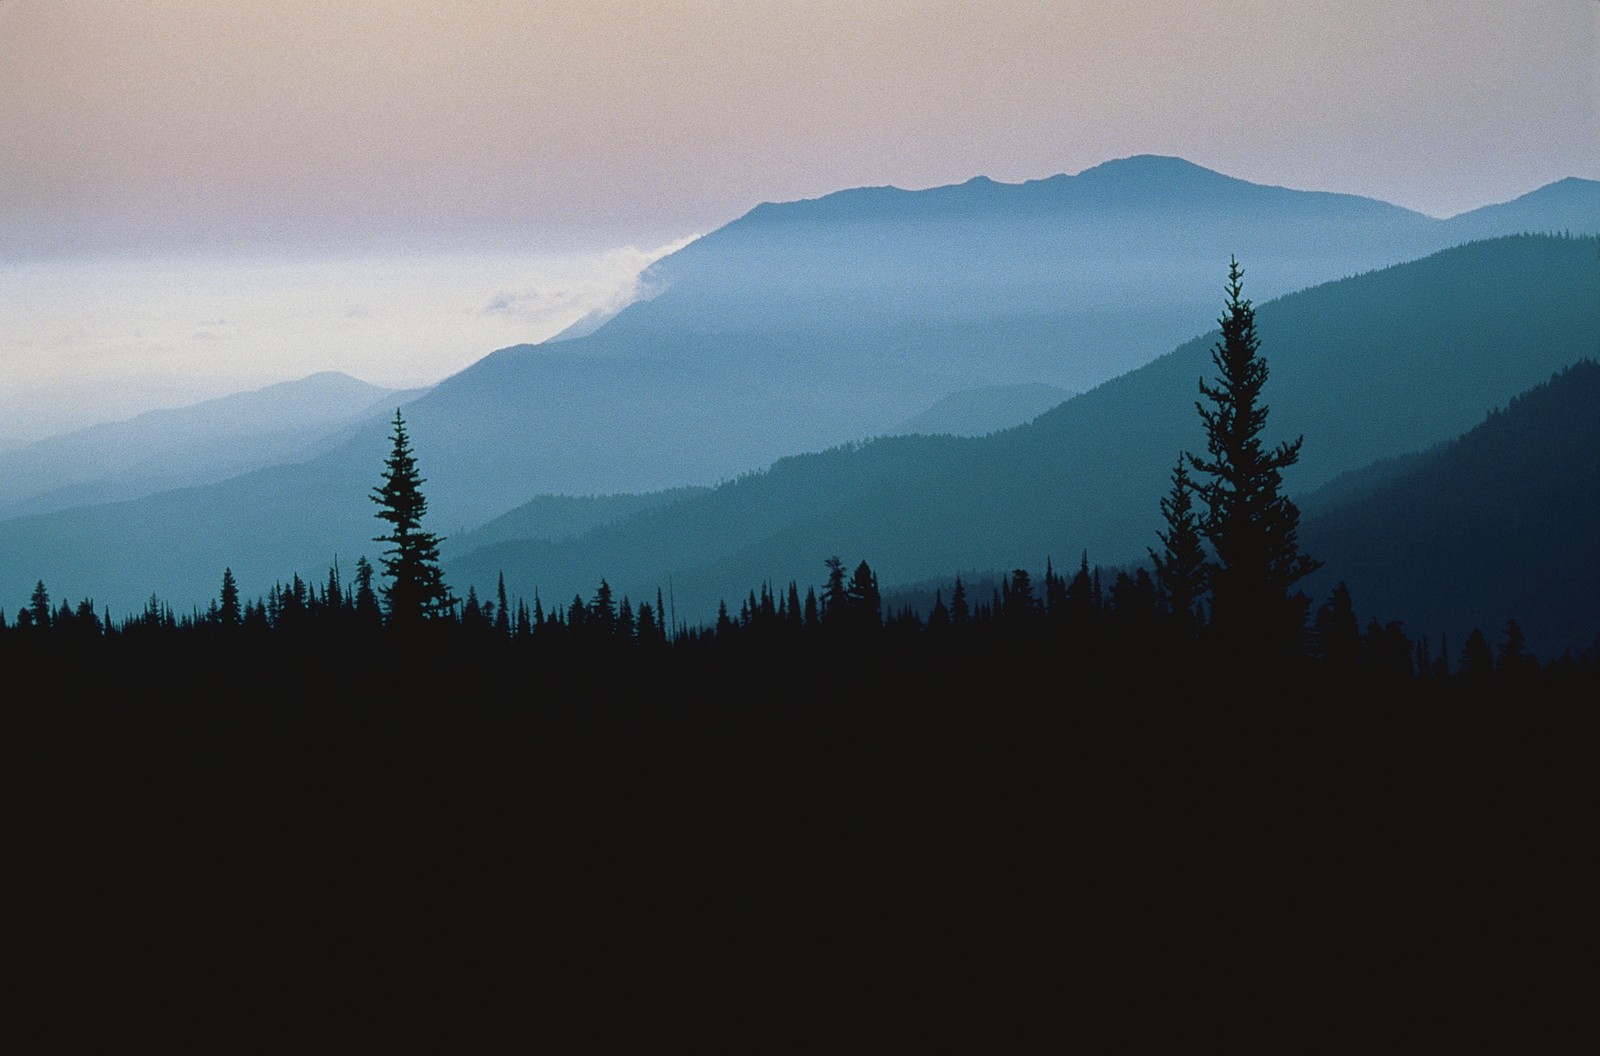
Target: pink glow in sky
[
  {"x": 596, "y": 123},
  {"x": 198, "y": 197}
]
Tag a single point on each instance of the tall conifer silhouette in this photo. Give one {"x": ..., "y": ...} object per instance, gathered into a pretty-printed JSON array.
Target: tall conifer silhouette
[
  {"x": 1181, "y": 564},
  {"x": 415, "y": 591},
  {"x": 228, "y": 612},
  {"x": 1250, "y": 522}
]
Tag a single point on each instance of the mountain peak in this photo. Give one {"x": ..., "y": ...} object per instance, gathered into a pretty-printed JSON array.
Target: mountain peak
[
  {"x": 1148, "y": 165},
  {"x": 1571, "y": 204},
  {"x": 1139, "y": 179}
]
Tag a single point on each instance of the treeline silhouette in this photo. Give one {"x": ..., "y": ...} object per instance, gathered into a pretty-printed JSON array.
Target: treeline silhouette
[
  {"x": 1061, "y": 758},
  {"x": 1115, "y": 630}
]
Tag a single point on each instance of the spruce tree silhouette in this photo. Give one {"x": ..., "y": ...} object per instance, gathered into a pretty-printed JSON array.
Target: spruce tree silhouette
[
  {"x": 415, "y": 592},
  {"x": 835, "y": 600},
  {"x": 1337, "y": 633},
  {"x": 864, "y": 599},
  {"x": 228, "y": 613},
  {"x": 39, "y": 606},
  {"x": 1250, "y": 522},
  {"x": 366, "y": 600},
  {"x": 1181, "y": 565}
]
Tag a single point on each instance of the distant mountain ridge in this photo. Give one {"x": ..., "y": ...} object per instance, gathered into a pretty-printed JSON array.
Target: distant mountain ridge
[
  {"x": 780, "y": 333},
  {"x": 188, "y": 446},
  {"x": 1569, "y": 206},
  {"x": 1133, "y": 184},
  {"x": 1145, "y": 181},
  {"x": 986, "y": 410},
  {"x": 1368, "y": 367},
  {"x": 769, "y": 338}
]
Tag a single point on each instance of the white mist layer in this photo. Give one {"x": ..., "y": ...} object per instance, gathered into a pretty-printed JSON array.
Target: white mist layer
[{"x": 86, "y": 341}]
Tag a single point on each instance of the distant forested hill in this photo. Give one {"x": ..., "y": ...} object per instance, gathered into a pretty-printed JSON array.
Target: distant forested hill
[
  {"x": 555, "y": 518},
  {"x": 1501, "y": 523},
  {"x": 188, "y": 446},
  {"x": 974, "y": 412}
]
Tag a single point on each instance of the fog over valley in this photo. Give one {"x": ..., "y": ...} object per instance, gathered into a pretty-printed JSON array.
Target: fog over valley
[{"x": 96, "y": 340}]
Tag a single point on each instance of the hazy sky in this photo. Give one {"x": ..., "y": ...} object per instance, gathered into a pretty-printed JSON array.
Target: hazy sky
[
  {"x": 516, "y": 144},
  {"x": 599, "y": 123}
]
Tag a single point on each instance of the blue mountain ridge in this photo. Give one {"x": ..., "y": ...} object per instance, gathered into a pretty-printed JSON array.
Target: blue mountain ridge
[
  {"x": 766, "y": 339},
  {"x": 1366, "y": 368}
]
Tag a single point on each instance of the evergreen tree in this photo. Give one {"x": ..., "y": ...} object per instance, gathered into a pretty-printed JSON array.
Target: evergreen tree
[
  {"x": 333, "y": 591},
  {"x": 648, "y": 631},
  {"x": 603, "y": 609},
  {"x": 1080, "y": 603},
  {"x": 502, "y": 612},
  {"x": 366, "y": 599},
  {"x": 1181, "y": 565},
  {"x": 1055, "y": 591},
  {"x": 1337, "y": 632},
  {"x": 1477, "y": 659},
  {"x": 959, "y": 613},
  {"x": 415, "y": 591},
  {"x": 471, "y": 612},
  {"x": 1250, "y": 522},
  {"x": 39, "y": 606},
  {"x": 88, "y": 622},
  {"x": 795, "y": 615},
  {"x": 228, "y": 613},
  {"x": 834, "y": 597},
  {"x": 863, "y": 598},
  {"x": 1513, "y": 658},
  {"x": 1018, "y": 605},
  {"x": 293, "y": 600}
]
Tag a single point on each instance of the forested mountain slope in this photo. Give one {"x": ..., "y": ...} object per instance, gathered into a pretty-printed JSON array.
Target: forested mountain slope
[
  {"x": 1366, "y": 368},
  {"x": 1501, "y": 523}
]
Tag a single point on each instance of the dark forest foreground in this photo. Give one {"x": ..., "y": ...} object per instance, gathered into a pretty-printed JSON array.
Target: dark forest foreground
[{"x": 870, "y": 803}]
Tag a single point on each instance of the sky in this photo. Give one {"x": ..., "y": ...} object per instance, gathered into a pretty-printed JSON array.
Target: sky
[{"x": 196, "y": 197}]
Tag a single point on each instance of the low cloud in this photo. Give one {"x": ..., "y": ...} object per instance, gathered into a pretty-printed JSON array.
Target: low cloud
[
  {"x": 94, "y": 343},
  {"x": 502, "y": 303},
  {"x": 603, "y": 285}
]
